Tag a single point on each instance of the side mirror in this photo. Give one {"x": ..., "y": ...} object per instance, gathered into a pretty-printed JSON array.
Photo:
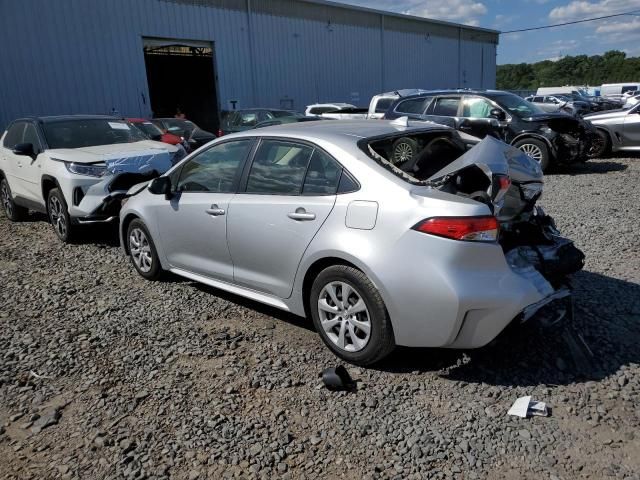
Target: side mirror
[
  {"x": 497, "y": 114},
  {"x": 161, "y": 186},
  {"x": 25, "y": 149}
]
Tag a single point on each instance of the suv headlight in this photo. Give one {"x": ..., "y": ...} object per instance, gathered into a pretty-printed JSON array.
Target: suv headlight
[{"x": 88, "y": 169}]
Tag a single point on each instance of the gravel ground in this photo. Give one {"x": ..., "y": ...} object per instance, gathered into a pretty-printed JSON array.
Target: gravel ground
[{"x": 105, "y": 375}]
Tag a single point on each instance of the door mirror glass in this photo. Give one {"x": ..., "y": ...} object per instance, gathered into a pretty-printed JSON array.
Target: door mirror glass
[
  {"x": 497, "y": 114},
  {"x": 25, "y": 149},
  {"x": 161, "y": 186}
]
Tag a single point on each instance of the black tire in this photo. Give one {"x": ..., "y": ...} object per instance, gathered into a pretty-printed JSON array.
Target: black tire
[
  {"x": 14, "y": 212},
  {"x": 600, "y": 145},
  {"x": 530, "y": 145},
  {"x": 59, "y": 218},
  {"x": 146, "y": 264},
  {"x": 380, "y": 341},
  {"x": 404, "y": 150}
]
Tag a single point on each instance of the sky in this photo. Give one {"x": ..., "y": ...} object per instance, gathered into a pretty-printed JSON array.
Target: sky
[{"x": 620, "y": 33}]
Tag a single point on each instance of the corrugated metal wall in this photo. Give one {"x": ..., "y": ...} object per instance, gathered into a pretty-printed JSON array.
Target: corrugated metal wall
[{"x": 85, "y": 56}]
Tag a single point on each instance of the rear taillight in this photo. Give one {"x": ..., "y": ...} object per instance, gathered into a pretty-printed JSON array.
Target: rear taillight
[
  {"x": 474, "y": 229},
  {"x": 220, "y": 132}
]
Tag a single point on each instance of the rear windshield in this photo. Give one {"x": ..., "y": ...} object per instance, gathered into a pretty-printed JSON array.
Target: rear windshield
[
  {"x": 90, "y": 133},
  {"x": 383, "y": 105},
  {"x": 429, "y": 153},
  {"x": 180, "y": 127}
]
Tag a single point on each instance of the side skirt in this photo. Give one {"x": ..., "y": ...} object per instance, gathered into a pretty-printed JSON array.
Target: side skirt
[{"x": 235, "y": 289}]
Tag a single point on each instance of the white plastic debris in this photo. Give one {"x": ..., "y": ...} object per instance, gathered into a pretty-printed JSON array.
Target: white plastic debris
[{"x": 525, "y": 407}]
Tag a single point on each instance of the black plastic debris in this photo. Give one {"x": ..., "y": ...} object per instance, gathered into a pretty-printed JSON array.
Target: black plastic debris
[{"x": 337, "y": 378}]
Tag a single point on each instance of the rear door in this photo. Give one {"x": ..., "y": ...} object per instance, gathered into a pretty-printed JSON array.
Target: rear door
[
  {"x": 444, "y": 110},
  {"x": 24, "y": 173},
  {"x": 193, "y": 224},
  {"x": 290, "y": 189}
]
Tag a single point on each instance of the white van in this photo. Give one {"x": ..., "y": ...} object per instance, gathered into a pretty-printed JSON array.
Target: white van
[
  {"x": 608, "y": 89},
  {"x": 567, "y": 89}
]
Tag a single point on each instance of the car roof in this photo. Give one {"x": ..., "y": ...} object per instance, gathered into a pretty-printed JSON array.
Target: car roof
[
  {"x": 341, "y": 131},
  {"x": 462, "y": 91}
]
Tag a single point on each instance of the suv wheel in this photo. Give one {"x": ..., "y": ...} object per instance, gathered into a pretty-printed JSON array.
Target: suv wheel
[
  {"x": 536, "y": 149},
  {"x": 59, "y": 216},
  {"x": 14, "y": 212},
  {"x": 350, "y": 315},
  {"x": 403, "y": 150},
  {"x": 142, "y": 251}
]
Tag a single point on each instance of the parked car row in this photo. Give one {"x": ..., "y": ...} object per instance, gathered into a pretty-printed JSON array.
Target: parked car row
[{"x": 298, "y": 216}]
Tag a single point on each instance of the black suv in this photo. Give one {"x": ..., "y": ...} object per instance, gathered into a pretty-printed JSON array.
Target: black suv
[{"x": 547, "y": 137}]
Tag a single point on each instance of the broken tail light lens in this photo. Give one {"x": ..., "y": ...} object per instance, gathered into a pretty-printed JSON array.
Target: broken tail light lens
[
  {"x": 472, "y": 229},
  {"x": 501, "y": 184}
]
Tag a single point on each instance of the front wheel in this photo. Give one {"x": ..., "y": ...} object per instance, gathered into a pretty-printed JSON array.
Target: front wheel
[
  {"x": 600, "y": 145},
  {"x": 59, "y": 216},
  {"x": 350, "y": 316},
  {"x": 14, "y": 212},
  {"x": 536, "y": 149},
  {"x": 142, "y": 251}
]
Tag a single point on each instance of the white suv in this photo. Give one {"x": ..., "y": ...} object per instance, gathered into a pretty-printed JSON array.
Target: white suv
[{"x": 76, "y": 169}]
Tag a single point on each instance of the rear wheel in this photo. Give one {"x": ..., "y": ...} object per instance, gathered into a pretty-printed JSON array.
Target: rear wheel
[
  {"x": 59, "y": 216},
  {"x": 14, "y": 212},
  {"x": 350, "y": 316},
  {"x": 536, "y": 149}
]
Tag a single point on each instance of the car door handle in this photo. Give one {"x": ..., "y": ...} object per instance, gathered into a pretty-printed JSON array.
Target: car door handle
[
  {"x": 215, "y": 211},
  {"x": 301, "y": 215}
]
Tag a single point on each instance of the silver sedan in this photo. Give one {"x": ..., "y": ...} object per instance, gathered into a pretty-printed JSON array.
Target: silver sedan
[{"x": 314, "y": 218}]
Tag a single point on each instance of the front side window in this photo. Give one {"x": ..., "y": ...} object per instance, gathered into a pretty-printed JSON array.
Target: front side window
[
  {"x": 279, "y": 168},
  {"x": 414, "y": 106},
  {"x": 14, "y": 135},
  {"x": 215, "y": 170},
  {"x": 446, "y": 107},
  {"x": 90, "y": 133},
  {"x": 31, "y": 136},
  {"x": 476, "y": 107}
]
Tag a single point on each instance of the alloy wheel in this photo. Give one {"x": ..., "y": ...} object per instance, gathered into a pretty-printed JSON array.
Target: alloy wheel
[
  {"x": 344, "y": 316},
  {"x": 402, "y": 153},
  {"x": 6, "y": 199},
  {"x": 140, "y": 250},
  {"x": 533, "y": 151},
  {"x": 57, "y": 216}
]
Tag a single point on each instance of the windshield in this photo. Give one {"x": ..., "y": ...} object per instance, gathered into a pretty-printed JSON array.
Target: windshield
[
  {"x": 517, "y": 106},
  {"x": 90, "y": 133},
  {"x": 149, "y": 129}
]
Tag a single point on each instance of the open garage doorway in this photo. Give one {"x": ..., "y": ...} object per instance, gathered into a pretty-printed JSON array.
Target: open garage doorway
[{"x": 181, "y": 75}]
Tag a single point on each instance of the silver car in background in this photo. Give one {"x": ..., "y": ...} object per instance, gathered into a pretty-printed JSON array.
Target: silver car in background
[
  {"x": 444, "y": 250},
  {"x": 619, "y": 130}
]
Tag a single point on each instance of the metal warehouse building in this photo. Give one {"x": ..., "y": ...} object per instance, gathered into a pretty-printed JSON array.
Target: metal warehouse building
[{"x": 144, "y": 57}]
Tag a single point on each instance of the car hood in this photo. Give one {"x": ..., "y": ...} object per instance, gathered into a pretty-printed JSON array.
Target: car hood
[
  {"x": 102, "y": 153},
  {"x": 606, "y": 115},
  {"x": 142, "y": 157}
]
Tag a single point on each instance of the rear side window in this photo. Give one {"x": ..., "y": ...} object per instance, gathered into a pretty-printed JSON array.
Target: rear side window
[
  {"x": 216, "y": 169},
  {"x": 414, "y": 106},
  {"x": 446, "y": 107},
  {"x": 14, "y": 135},
  {"x": 322, "y": 176},
  {"x": 279, "y": 168}
]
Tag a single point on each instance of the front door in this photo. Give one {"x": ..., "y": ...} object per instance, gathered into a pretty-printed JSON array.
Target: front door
[
  {"x": 631, "y": 133},
  {"x": 290, "y": 190},
  {"x": 476, "y": 118},
  {"x": 193, "y": 224}
]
